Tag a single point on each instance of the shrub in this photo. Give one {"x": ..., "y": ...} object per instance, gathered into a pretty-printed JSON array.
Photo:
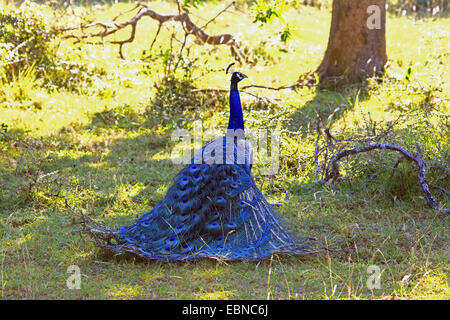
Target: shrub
[
  {"x": 25, "y": 36},
  {"x": 27, "y": 42}
]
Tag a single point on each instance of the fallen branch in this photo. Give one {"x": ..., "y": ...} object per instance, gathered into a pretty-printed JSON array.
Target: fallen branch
[
  {"x": 332, "y": 168},
  {"x": 190, "y": 28}
]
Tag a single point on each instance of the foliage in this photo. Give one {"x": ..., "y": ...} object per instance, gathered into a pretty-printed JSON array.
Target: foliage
[
  {"x": 25, "y": 36},
  {"x": 411, "y": 6},
  {"x": 194, "y": 4},
  {"x": 28, "y": 40}
]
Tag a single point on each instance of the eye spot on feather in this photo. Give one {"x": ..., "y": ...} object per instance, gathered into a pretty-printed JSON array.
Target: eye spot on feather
[
  {"x": 185, "y": 200},
  {"x": 172, "y": 239},
  {"x": 219, "y": 239},
  {"x": 180, "y": 226}
]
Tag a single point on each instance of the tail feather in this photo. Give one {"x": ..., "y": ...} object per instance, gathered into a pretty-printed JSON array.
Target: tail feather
[{"x": 210, "y": 211}]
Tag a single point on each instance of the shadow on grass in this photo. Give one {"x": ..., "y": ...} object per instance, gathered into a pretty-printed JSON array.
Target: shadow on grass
[
  {"x": 107, "y": 168},
  {"x": 327, "y": 101}
]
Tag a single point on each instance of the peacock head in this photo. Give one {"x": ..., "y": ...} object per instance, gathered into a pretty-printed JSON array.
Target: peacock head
[{"x": 236, "y": 76}]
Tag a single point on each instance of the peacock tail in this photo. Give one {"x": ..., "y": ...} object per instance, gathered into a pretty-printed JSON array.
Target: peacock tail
[{"x": 212, "y": 210}]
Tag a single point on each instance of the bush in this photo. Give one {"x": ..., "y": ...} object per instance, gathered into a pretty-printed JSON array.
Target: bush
[
  {"x": 26, "y": 42},
  {"x": 25, "y": 36}
]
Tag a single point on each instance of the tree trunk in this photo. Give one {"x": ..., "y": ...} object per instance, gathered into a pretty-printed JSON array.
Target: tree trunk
[{"x": 357, "y": 42}]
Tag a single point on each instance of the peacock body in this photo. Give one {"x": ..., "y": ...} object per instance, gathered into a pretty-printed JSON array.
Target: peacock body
[{"x": 213, "y": 209}]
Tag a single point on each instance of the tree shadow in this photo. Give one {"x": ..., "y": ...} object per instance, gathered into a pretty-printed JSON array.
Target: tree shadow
[
  {"x": 121, "y": 158},
  {"x": 328, "y": 101}
]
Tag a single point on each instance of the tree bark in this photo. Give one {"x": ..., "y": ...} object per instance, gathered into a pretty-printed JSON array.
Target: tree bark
[{"x": 357, "y": 42}]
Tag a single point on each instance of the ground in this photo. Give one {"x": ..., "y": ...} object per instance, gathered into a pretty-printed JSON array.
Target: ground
[{"x": 102, "y": 146}]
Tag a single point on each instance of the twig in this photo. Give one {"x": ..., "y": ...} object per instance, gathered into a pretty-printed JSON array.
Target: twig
[
  {"x": 217, "y": 15},
  {"x": 332, "y": 168},
  {"x": 190, "y": 28},
  {"x": 441, "y": 189}
]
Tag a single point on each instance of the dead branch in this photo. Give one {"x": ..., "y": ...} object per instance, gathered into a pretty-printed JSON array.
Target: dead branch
[
  {"x": 190, "y": 28},
  {"x": 332, "y": 168}
]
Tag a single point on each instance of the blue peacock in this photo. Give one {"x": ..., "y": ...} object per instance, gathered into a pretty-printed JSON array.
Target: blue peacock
[{"x": 212, "y": 210}]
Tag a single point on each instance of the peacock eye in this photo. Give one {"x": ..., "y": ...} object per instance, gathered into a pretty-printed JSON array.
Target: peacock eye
[
  {"x": 185, "y": 200},
  {"x": 219, "y": 239},
  {"x": 179, "y": 226},
  {"x": 172, "y": 239},
  {"x": 185, "y": 246}
]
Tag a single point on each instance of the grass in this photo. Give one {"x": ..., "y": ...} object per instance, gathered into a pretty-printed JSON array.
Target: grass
[{"x": 105, "y": 147}]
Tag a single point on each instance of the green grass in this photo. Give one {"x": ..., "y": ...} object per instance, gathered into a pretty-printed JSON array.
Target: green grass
[{"x": 105, "y": 148}]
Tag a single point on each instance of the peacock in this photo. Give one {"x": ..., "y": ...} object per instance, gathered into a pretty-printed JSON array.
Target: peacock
[{"x": 213, "y": 209}]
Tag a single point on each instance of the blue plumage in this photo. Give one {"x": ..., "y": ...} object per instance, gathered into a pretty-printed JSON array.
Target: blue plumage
[
  {"x": 213, "y": 209},
  {"x": 236, "y": 121}
]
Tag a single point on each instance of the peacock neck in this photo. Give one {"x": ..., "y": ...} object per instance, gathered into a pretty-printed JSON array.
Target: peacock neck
[{"x": 236, "y": 116}]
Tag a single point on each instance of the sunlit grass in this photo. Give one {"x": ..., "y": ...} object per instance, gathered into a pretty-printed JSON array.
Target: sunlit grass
[{"x": 103, "y": 148}]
